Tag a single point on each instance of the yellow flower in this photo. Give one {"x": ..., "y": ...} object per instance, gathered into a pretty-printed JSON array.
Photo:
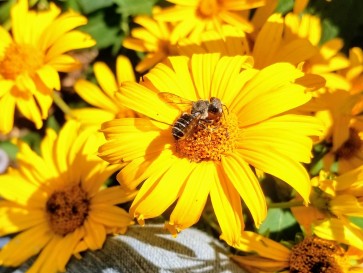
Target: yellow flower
[
  {"x": 333, "y": 201},
  {"x": 191, "y": 18},
  {"x": 57, "y": 202},
  {"x": 107, "y": 106},
  {"x": 328, "y": 59},
  {"x": 312, "y": 254},
  {"x": 229, "y": 41},
  {"x": 30, "y": 58},
  {"x": 214, "y": 158},
  {"x": 152, "y": 38},
  {"x": 339, "y": 110},
  {"x": 273, "y": 44},
  {"x": 354, "y": 73}
]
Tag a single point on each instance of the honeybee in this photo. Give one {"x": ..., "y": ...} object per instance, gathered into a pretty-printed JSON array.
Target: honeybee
[{"x": 200, "y": 111}]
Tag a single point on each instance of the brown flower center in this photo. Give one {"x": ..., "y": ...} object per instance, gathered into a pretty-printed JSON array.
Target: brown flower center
[
  {"x": 315, "y": 255},
  {"x": 208, "y": 8},
  {"x": 67, "y": 209},
  {"x": 20, "y": 58},
  {"x": 351, "y": 146},
  {"x": 210, "y": 141}
]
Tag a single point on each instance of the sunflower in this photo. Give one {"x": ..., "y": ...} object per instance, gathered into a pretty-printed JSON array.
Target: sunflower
[
  {"x": 107, "y": 106},
  {"x": 152, "y": 38},
  {"x": 191, "y": 18},
  {"x": 312, "y": 254},
  {"x": 247, "y": 126},
  {"x": 57, "y": 202},
  {"x": 32, "y": 55},
  {"x": 334, "y": 199}
]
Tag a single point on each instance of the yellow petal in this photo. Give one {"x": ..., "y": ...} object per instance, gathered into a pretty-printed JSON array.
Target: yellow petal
[
  {"x": 247, "y": 185},
  {"x": 70, "y": 41},
  {"x": 268, "y": 41},
  {"x": 141, "y": 168},
  {"x": 92, "y": 94},
  {"x": 124, "y": 70},
  {"x": 105, "y": 79},
  {"x": 49, "y": 76},
  {"x": 95, "y": 234},
  {"x": 266, "y": 91},
  {"x": 203, "y": 68},
  {"x": 92, "y": 116},
  {"x": 15, "y": 218},
  {"x": 123, "y": 147},
  {"x": 64, "y": 63},
  {"x": 111, "y": 216},
  {"x": 15, "y": 188},
  {"x": 161, "y": 189},
  {"x": 64, "y": 23},
  {"x": 30, "y": 242},
  {"x": 7, "y": 104},
  {"x": 30, "y": 110},
  {"x": 275, "y": 135},
  {"x": 113, "y": 195},
  {"x": 146, "y": 102},
  {"x": 281, "y": 166},
  {"x": 5, "y": 39},
  {"x": 227, "y": 206},
  {"x": 263, "y": 246},
  {"x": 193, "y": 197},
  {"x": 340, "y": 230}
]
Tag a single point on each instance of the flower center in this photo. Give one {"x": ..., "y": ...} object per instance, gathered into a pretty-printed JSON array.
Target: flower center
[
  {"x": 67, "y": 209},
  {"x": 210, "y": 140},
  {"x": 318, "y": 256},
  {"x": 208, "y": 8},
  {"x": 351, "y": 146},
  {"x": 19, "y": 59}
]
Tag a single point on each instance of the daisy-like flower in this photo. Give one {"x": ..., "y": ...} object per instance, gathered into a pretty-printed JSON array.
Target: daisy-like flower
[
  {"x": 152, "y": 38},
  {"x": 340, "y": 111},
  {"x": 272, "y": 44},
  {"x": 328, "y": 59},
  {"x": 188, "y": 157},
  {"x": 107, "y": 106},
  {"x": 312, "y": 254},
  {"x": 57, "y": 202},
  {"x": 32, "y": 55},
  {"x": 229, "y": 41},
  {"x": 193, "y": 17},
  {"x": 332, "y": 201}
]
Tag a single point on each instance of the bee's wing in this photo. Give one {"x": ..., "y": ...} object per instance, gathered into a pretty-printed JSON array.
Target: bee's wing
[{"x": 175, "y": 100}]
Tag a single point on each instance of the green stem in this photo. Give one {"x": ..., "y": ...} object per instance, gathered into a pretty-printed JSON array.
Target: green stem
[
  {"x": 286, "y": 205},
  {"x": 61, "y": 104}
]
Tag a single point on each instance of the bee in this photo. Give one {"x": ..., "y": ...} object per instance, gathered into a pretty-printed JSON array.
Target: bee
[{"x": 200, "y": 111}]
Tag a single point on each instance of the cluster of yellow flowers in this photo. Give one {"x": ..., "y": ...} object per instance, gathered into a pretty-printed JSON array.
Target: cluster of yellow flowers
[{"x": 229, "y": 99}]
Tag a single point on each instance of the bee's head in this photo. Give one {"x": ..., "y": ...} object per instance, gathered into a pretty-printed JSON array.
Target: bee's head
[{"x": 215, "y": 107}]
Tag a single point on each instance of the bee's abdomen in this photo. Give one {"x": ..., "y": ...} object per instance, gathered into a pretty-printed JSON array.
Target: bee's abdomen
[{"x": 182, "y": 126}]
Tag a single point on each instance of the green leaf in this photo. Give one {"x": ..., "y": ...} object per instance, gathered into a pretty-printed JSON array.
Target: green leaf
[
  {"x": 134, "y": 7},
  {"x": 284, "y": 6},
  {"x": 10, "y": 148},
  {"x": 88, "y": 6},
  {"x": 104, "y": 27},
  {"x": 357, "y": 220},
  {"x": 277, "y": 220}
]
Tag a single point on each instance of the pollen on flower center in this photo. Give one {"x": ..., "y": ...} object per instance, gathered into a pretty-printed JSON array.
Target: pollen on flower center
[
  {"x": 351, "y": 146},
  {"x": 318, "y": 255},
  {"x": 67, "y": 209},
  {"x": 208, "y": 8},
  {"x": 20, "y": 58},
  {"x": 211, "y": 140}
]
